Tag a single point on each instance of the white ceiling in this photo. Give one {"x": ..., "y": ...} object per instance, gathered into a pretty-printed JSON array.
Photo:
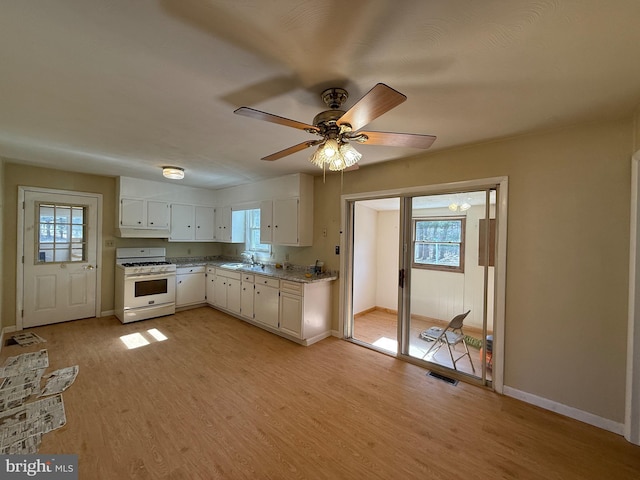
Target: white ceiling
[{"x": 121, "y": 88}]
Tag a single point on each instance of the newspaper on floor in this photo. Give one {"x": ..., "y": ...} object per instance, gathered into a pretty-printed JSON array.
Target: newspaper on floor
[
  {"x": 59, "y": 380},
  {"x": 15, "y": 390},
  {"x": 21, "y": 428},
  {"x": 24, "y": 362},
  {"x": 27, "y": 338}
]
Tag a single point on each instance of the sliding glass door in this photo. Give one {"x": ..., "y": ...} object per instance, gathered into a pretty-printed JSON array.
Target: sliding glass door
[
  {"x": 416, "y": 263},
  {"x": 449, "y": 278},
  {"x": 375, "y": 272}
]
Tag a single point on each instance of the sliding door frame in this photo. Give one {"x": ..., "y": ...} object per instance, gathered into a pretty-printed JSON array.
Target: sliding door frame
[{"x": 346, "y": 259}]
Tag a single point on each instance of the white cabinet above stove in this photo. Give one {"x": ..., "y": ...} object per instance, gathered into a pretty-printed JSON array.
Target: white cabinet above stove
[{"x": 143, "y": 218}]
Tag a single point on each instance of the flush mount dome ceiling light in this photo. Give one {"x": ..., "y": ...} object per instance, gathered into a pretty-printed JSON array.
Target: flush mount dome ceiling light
[
  {"x": 337, "y": 128},
  {"x": 174, "y": 173}
]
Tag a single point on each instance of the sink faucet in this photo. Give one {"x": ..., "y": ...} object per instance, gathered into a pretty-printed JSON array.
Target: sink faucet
[{"x": 249, "y": 257}]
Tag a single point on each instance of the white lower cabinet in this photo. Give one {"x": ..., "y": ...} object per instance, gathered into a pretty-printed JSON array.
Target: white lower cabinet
[
  {"x": 291, "y": 314},
  {"x": 190, "y": 286},
  {"x": 299, "y": 311},
  {"x": 266, "y": 300},
  {"x": 246, "y": 296},
  {"x": 226, "y": 290},
  {"x": 210, "y": 290},
  {"x": 305, "y": 309}
]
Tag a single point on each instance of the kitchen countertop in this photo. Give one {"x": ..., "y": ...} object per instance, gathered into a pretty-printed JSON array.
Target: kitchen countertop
[{"x": 295, "y": 274}]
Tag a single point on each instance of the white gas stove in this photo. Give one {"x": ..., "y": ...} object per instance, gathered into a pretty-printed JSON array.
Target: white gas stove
[{"x": 145, "y": 284}]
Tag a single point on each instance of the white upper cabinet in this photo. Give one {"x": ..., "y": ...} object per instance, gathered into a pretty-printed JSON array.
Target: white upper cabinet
[
  {"x": 266, "y": 221},
  {"x": 132, "y": 212},
  {"x": 182, "y": 223},
  {"x": 157, "y": 214},
  {"x": 283, "y": 223},
  {"x": 192, "y": 223},
  {"x": 229, "y": 225},
  {"x": 143, "y": 208},
  {"x": 205, "y": 224},
  {"x": 152, "y": 209},
  {"x": 140, "y": 217}
]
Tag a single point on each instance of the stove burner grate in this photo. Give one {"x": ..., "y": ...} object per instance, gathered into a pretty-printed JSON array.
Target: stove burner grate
[{"x": 144, "y": 264}]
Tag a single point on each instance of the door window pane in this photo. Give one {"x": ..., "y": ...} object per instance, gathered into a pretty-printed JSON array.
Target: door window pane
[{"x": 62, "y": 233}]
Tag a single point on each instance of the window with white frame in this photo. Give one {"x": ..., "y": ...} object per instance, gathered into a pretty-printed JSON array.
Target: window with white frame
[
  {"x": 439, "y": 243},
  {"x": 252, "y": 241}
]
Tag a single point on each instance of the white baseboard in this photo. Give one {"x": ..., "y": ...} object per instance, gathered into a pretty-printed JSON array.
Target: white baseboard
[
  {"x": 565, "y": 410},
  {"x": 336, "y": 333},
  {"x": 107, "y": 313}
]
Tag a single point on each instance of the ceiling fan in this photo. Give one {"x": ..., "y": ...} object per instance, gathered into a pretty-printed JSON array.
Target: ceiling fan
[{"x": 338, "y": 128}]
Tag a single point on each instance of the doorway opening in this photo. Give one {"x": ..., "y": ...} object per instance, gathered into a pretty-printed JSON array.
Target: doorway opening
[{"x": 417, "y": 260}]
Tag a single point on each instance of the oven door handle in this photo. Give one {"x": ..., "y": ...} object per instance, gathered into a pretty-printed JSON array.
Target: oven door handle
[{"x": 149, "y": 276}]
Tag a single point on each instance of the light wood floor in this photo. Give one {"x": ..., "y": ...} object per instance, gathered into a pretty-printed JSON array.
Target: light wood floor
[
  {"x": 221, "y": 399},
  {"x": 377, "y": 327}
]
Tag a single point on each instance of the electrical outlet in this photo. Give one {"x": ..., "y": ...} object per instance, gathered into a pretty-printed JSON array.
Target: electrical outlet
[
  {"x": 337, "y": 249},
  {"x": 324, "y": 232},
  {"x": 286, "y": 257},
  {"x": 188, "y": 251},
  {"x": 109, "y": 243}
]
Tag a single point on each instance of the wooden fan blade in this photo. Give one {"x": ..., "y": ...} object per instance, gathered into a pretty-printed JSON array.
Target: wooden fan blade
[
  {"x": 412, "y": 140},
  {"x": 288, "y": 151},
  {"x": 380, "y": 99},
  {"x": 268, "y": 117}
]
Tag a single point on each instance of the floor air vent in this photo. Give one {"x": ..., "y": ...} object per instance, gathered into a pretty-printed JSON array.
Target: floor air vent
[{"x": 443, "y": 378}]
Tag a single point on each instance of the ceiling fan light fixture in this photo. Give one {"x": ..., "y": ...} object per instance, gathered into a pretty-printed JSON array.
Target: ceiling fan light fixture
[
  {"x": 174, "y": 173},
  {"x": 351, "y": 155},
  {"x": 337, "y": 156},
  {"x": 460, "y": 206},
  {"x": 330, "y": 148}
]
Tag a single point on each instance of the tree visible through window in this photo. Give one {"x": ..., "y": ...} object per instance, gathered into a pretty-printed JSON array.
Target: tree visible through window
[
  {"x": 62, "y": 232},
  {"x": 252, "y": 242},
  {"x": 439, "y": 243}
]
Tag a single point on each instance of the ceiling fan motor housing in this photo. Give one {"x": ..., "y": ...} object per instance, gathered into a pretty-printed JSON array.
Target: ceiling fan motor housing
[
  {"x": 334, "y": 97},
  {"x": 326, "y": 122}
]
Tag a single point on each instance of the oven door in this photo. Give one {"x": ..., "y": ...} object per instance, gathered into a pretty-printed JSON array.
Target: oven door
[{"x": 145, "y": 289}]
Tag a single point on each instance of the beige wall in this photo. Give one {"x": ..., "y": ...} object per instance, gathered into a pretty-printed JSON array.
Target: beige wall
[
  {"x": 567, "y": 252},
  {"x": 2, "y": 279}
]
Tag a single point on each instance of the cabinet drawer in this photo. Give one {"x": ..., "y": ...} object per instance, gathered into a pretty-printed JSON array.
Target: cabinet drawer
[
  {"x": 221, "y": 272},
  {"x": 271, "y": 282},
  {"x": 294, "y": 288},
  {"x": 183, "y": 270},
  {"x": 247, "y": 278}
]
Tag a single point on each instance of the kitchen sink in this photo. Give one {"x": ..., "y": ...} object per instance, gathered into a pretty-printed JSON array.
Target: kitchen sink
[{"x": 233, "y": 266}]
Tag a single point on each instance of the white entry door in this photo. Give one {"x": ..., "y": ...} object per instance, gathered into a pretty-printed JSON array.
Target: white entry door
[{"x": 60, "y": 236}]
